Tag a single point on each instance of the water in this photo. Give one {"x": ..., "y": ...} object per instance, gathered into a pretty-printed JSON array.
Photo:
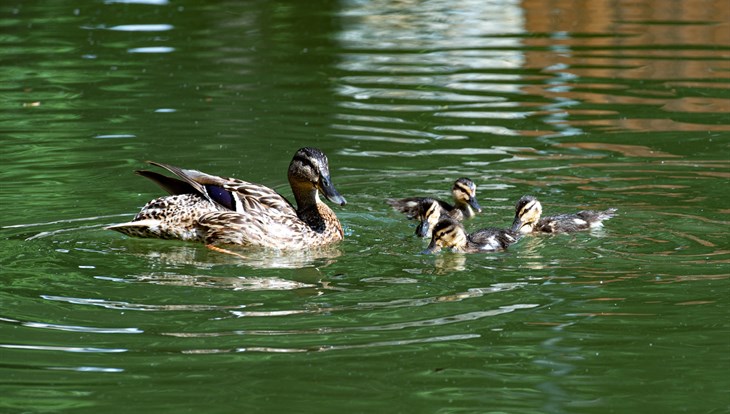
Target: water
[{"x": 617, "y": 105}]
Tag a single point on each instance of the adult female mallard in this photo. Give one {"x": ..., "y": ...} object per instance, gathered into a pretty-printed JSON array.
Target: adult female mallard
[
  {"x": 465, "y": 206},
  {"x": 216, "y": 210},
  {"x": 528, "y": 211},
  {"x": 450, "y": 234}
]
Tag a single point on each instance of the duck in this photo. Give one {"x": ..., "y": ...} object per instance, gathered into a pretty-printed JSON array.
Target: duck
[
  {"x": 465, "y": 206},
  {"x": 449, "y": 233},
  {"x": 528, "y": 212},
  {"x": 216, "y": 211},
  {"x": 428, "y": 214}
]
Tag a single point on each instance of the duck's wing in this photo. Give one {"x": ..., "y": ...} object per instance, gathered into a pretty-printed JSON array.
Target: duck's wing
[
  {"x": 410, "y": 206},
  {"x": 493, "y": 239},
  {"x": 230, "y": 193},
  {"x": 566, "y": 223},
  {"x": 561, "y": 223},
  {"x": 407, "y": 206},
  {"x": 170, "y": 184},
  {"x": 252, "y": 198},
  {"x": 591, "y": 215},
  {"x": 273, "y": 231},
  {"x": 596, "y": 218}
]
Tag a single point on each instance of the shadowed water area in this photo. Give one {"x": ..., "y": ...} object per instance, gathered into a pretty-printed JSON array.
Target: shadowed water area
[{"x": 585, "y": 105}]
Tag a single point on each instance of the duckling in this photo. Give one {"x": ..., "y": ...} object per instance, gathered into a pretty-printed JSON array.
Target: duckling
[
  {"x": 217, "y": 210},
  {"x": 465, "y": 206},
  {"x": 429, "y": 213},
  {"x": 449, "y": 233},
  {"x": 527, "y": 218}
]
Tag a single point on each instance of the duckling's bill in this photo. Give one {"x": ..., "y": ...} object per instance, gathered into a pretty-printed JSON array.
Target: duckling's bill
[{"x": 422, "y": 229}]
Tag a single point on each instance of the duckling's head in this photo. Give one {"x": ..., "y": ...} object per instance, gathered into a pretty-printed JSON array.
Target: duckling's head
[
  {"x": 447, "y": 233},
  {"x": 527, "y": 213},
  {"x": 309, "y": 173},
  {"x": 465, "y": 194},
  {"x": 429, "y": 213}
]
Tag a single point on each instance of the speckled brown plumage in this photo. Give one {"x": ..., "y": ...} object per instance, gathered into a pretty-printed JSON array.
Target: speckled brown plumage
[{"x": 216, "y": 210}]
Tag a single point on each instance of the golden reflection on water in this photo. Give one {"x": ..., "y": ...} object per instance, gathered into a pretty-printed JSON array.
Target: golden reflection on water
[
  {"x": 586, "y": 60},
  {"x": 623, "y": 149},
  {"x": 581, "y": 51}
]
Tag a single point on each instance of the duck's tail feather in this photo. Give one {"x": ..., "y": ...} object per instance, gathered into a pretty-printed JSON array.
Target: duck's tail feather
[{"x": 172, "y": 185}]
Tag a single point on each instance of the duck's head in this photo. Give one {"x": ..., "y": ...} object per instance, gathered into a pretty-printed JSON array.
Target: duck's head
[
  {"x": 309, "y": 173},
  {"x": 527, "y": 213},
  {"x": 429, "y": 212},
  {"x": 449, "y": 234},
  {"x": 465, "y": 193}
]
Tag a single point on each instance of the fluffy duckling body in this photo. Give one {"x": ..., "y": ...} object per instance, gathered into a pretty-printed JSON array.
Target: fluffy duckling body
[
  {"x": 450, "y": 234},
  {"x": 428, "y": 210},
  {"x": 528, "y": 212},
  {"x": 217, "y": 210}
]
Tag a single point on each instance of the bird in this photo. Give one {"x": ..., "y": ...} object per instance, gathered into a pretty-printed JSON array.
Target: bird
[
  {"x": 217, "y": 211},
  {"x": 465, "y": 205},
  {"x": 528, "y": 211},
  {"x": 449, "y": 233},
  {"x": 428, "y": 214}
]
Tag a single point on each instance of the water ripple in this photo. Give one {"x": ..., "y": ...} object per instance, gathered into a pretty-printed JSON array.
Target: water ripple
[
  {"x": 86, "y": 329},
  {"x": 87, "y": 369},
  {"x": 440, "y": 321},
  {"x": 242, "y": 283},
  {"x": 326, "y": 348},
  {"x": 121, "y": 305},
  {"x": 64, "y": 348}
]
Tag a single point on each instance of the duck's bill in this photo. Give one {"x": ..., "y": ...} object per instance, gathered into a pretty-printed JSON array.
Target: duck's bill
[
  {"x": 475, "y": 205},
  {"x": 519, "y": 227},
  {"x": 330, "y": 192},
  {"x": 423, "y": 229}
]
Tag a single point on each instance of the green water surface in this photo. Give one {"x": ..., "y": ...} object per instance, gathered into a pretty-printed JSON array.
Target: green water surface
[{"x": 620, "y": 105}]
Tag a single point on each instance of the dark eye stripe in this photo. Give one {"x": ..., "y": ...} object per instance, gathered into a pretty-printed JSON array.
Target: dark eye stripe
[
  {"x": 307, "y": 162},
  {"x": 463, "y": 188},
  {"x": 528, "y": 207}
]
